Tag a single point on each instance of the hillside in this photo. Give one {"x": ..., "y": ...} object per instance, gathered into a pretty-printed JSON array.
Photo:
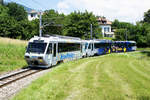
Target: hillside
[
  {"x": 25, "y": 7},
  {"x": 122, "y": 76},
  {"x": 11, "y": 54}
]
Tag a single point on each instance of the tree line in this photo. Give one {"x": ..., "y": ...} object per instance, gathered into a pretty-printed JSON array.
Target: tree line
[
  {"x": 15, "y": 24},
  {"x": 139, "y": 32}
]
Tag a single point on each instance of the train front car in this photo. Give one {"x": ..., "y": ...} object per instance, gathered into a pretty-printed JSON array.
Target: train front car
[
  {"x": 102, "y": 46},
  {"x": 35, "y": 52},
  {"x": 49, "y": 50}
]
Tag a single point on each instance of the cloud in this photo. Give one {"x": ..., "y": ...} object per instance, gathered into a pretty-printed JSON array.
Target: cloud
[
  {"x": 62, "y": 5},
  {"x": 124, "y": 10}
]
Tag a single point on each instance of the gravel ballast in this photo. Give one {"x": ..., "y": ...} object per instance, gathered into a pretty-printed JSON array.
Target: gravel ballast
[{"x": 10, "y": 90}]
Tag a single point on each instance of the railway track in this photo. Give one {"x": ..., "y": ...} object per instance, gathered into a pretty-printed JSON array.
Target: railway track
[{"x": 10, "y": 78}]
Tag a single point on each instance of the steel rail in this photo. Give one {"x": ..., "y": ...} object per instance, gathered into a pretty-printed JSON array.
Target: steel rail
[{"x": 5, "y": 80}]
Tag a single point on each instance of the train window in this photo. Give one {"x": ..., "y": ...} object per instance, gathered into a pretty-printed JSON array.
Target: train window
[
  {"x": 68, "y": 47},
  {"x": 101, "y": 45},
  {"x": 54, "y": 50},
  {"x": 86, "y": 45},
  {"x": 49, "y": 49},
  {"x": 92, "y": 46},
  {"x": 120, "y": 45},
  {"x": 89, "y": 47},
  {"x": 131, "y": 44},
  {"x": 36, "y": 47}
]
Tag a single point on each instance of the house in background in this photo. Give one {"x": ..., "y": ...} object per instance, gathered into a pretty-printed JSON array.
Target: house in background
[
  {"x": 105, "y": 26},
  {"x": 32, "y": 15}
]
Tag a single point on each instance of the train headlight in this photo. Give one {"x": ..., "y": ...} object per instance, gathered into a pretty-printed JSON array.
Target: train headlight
[
  {"x": 40, "y": 58},
  {"x": 27, "y": 57}
]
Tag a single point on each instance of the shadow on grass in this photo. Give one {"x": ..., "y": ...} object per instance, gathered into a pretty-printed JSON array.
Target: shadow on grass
[
  {"x": 143, "y": 98},
  {"x": 146, "y": 52},
  {"x": 128, "y": 97},
  {"x": 25, "y": 67}
]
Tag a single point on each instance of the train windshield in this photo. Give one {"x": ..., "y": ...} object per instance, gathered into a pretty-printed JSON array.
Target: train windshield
[
  {"x": 132, "y": 44},
  {"x": 36, "y": 47}
]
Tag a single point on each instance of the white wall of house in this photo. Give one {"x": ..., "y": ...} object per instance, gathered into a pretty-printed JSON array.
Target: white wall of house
[
  {"x": 105, "y": 29},
  {"x": 32, "y": 16}
]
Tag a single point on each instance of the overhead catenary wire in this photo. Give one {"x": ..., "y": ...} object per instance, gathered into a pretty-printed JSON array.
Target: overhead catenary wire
[
  {"x": 22, "y": 3},
  {"x": 39, "y": 4}
]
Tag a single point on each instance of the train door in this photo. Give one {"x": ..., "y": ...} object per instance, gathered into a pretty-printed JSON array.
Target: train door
[
  {"x": 48, "y": 56},
  {"x": 89, "y": 49},
  {"x": 83, "y": 49},
  {"x": 54, "y": 60},
  {"x": 93, "y": 52}
]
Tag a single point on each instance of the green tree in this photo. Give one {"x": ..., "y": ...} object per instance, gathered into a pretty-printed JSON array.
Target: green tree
[
  {"x": 148, "y": 38},
  {"x": 147, "y": 16},
  {"x": 17, "y": 11},
  {"x": 3, "y": 11},
  {"x": 120, "y": 34},
  {"x": 53, "y": 22},
  {"x": 6, "y": 25},
  {"x": 146, "y": 27},
  {"x": 78, "y": 24}
]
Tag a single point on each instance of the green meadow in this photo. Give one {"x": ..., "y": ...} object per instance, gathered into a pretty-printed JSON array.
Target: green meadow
[
  {"x": 122, "y": 76},
  {"x": 11, "y": 54}
]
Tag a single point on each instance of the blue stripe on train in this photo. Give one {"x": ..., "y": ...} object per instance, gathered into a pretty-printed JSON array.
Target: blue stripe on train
[
  {"x": 101, "y": 51},
  {"x": 67, "y": 56}
]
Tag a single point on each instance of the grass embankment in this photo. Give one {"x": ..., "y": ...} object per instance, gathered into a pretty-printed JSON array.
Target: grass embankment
[
  {"x": 123, "y": 76},
  {"x": 108, "y": 38},
  {"x": 11, "y": 54},
  {"x": 143, "y": 49}
]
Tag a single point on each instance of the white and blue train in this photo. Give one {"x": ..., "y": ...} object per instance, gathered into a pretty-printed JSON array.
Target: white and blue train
[{"x": 47, "y": 51}]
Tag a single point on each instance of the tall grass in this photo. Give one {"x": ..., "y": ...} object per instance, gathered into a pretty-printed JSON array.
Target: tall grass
[
  {"x": 123, "y": 76},
  {"x": 11, "y": 54}
]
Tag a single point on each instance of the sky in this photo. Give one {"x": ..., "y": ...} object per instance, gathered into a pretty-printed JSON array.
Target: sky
[{"x": 123, "y": 10}]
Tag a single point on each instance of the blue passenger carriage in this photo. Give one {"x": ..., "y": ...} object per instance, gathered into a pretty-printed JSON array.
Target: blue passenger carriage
[
  {"x": 124, "y": 46},
  {"x": 130, "y": 45},
  {"x": 102, "y": 46}
]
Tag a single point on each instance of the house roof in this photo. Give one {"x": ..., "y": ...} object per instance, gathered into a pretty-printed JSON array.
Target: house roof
[
  {"x": 103, "y": 21},
  {"x": 33, "y": 12}
]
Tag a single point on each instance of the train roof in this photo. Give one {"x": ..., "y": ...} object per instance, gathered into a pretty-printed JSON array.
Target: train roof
[
  {"x": 102, "y": 41},
  {"x": 55, "y": 38},
  {"x": 124, "y": 42}
]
